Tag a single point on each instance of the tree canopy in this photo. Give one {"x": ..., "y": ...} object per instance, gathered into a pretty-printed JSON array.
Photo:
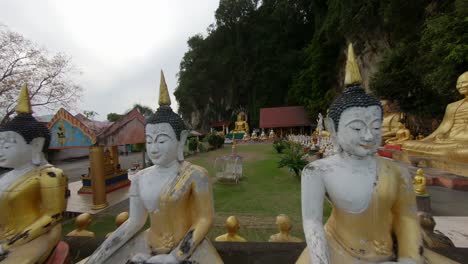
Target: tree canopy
[
  {"x": 48, "y": 76},
  {"x": 291, "y": 52}
]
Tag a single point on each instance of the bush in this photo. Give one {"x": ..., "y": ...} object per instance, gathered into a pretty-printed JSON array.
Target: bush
[
  {"x": 279, "y": 145},
  {"x": 215, "y": 141},
  {"x": 192, "y": 144},
  {"x": 202, "y": 146},
  {"x": 293, "y": 158}
]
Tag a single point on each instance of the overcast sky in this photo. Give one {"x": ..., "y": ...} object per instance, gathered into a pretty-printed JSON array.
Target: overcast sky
[{"x": 119, "y": 46}]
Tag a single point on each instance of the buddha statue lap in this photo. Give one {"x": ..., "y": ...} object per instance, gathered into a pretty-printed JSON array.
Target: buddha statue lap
[
  {"x": 241, "y": 125},
  {"x": 32, "y": 195},
  {"x": 450, "y": 140},
  {"x": 284, "y": 227},
  {"x": 176, "y": 196},
  {"x": 372, "y": 198},
  {"x": 232, "y": 226}
]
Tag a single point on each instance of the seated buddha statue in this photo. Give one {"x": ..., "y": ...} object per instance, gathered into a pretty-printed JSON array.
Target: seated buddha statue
[
  {"x": 272, "y": 134},
  {"x": 32, "y": 194},
  {"x": 450, "y": 139},
  {"x": 232, "y": 227},
  {"x": 82, "y": 222},
  {"x": 391, "y": 120},
  {"x": 373, "y": 204},
  {"x": 263, "y": 135},
  {"x": 403, "y": 134},
  {"x": 284, "y": 226},
  {"x": 174, "y": 194},
  {"x": 241, "y": 125}
]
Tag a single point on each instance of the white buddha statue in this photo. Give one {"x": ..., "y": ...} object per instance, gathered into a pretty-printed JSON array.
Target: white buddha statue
[
  {"x": 176, "y": 196},
  {"x": 373, "y": 201}
]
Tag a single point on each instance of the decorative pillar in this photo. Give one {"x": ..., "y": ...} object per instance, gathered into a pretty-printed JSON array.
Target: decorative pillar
[
  {"x": 114, "y": 154},
  {"x": 98, "y": 181}
]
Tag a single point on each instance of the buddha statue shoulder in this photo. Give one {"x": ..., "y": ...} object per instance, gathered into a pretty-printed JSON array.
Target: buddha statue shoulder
[
  {"x": 32, "y": 194},
  {"x": 374, "y": 206},
  {"x": 450, "y": 139},
  {"x": 174, "y": 194}
]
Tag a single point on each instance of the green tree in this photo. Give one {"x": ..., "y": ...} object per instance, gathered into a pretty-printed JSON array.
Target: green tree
[{"x": 112, "y": 117}]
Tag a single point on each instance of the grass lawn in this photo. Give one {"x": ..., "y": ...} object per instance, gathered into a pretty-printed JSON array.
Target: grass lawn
[{"x": 264, "y": 192}]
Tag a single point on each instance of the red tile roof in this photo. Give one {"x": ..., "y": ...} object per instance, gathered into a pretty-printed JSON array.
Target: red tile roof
[{"x": 289, "y": 116}]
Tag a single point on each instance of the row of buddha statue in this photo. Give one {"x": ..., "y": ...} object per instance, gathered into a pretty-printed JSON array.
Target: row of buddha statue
[
  {"x": 83, "y": 221},
  {"x": 373, "y": 218}
]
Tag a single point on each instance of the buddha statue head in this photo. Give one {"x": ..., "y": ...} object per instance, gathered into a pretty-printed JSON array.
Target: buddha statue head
[
  {"x": 232, "y": 225},
  {"x": 355, "y": 118},
  {"x": 165, "y": 132},
  {"x": 83, "y": 221},
  {"x": 284, "y": 223},
  {"x": 462, "y": 84},
  {"x": 23, "y": 139}
]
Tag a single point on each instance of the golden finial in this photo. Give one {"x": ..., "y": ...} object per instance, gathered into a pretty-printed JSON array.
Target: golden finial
[
  {"x": 353, "y": 76},
  {"x": 164, "y": 98},
  {"x": 24, "y": 105}
]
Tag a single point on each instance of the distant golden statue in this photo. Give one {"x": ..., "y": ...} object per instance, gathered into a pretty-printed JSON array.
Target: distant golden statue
[
  {"x": 232, "y": 227},
  {"x": 241, "y": 125},
  {"x": 450, "y": 139},
  {"x": 391, "y": 121},
  {"x": 284, "y": 226},
  {"x": 419, "y": 183},
  {"x": 119, "y": 220},
  {"x": 82, "y": 222},
  {"x": 403, "y": 134}
]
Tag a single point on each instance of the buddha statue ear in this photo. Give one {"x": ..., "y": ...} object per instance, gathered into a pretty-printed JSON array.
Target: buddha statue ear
[
  {"x": 330, "y": 127},
  {"x": 183, "y": 138},
  {"x": 37, "y": 144}
]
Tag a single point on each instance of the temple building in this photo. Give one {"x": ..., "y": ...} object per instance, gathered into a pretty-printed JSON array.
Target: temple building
[{"x": 285, "y": 120}]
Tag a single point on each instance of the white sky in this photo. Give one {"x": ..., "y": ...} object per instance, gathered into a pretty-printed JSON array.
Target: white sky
[{"x": 119, "y": 46}]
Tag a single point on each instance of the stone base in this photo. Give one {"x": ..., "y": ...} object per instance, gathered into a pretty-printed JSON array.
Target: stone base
[
  {"x": 423, "y": 203},
  {"x": 113, "y": 182}
]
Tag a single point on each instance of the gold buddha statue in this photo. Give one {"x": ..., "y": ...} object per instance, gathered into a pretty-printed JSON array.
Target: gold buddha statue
[
  {"x": 391, "y": 121},
  {"x": 175, "y": 195},
  {"x": 232, "y": 226},
  {"x": 284, "y": 226},
  {"x": 82, "y": 222},
  {"x": 241, "y": 125},
  {"x": 32, "y": 194},
  {"x": 419, "y": 183},
  {"x": 119, "y": 220},
  {"x": 450, "y": 140},
  {"x": 403, "y": 134}
]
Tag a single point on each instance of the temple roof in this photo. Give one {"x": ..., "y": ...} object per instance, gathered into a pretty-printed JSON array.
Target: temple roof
[{"x": 288, "y": 116}]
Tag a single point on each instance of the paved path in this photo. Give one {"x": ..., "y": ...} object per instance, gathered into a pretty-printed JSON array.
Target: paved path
[{"x": 77, "y": 167}]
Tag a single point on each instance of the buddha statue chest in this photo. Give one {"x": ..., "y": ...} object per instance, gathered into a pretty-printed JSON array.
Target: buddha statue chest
[{"x": 459, "y": 129}]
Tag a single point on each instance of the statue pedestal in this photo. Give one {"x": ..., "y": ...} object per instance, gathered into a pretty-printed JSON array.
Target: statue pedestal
[{"x": 423, "y": 203}]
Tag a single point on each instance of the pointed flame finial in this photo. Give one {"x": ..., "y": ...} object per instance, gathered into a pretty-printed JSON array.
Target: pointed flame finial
[
  {"x": 353, "y": 76},
  {"x": 164, "y": 98},
  {"x": 24, "y": 105}
]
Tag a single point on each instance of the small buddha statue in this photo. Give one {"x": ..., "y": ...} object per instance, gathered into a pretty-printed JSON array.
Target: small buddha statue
[
  {"x": 419, "y": 183},
  {"x": 254, "y": 135},
  {"x": 284, "y": 226},
  {"x": 241, "y": 125},
  {"x": 419, "y": 136},
  {"x": 32, "y": 194},
  {"x": 246, "y": 137},
  {"x": 372, "y": 200},
  {"x": 232, "y": 226},
  {"x": 391, "y": 120},
  {"x": 432, "y": 238},
  {"x": 450, "y": 140},
  {"x": 174, "y": 194},
  {"x": 119, "y": 220},
  {"x": 263, "y": 136},
  {"x": 82, "y": 222},
  {"x": 272, "y": 134},
  {"x": 403, "y": 134}
]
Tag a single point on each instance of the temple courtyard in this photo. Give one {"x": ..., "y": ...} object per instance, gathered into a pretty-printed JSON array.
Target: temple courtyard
[{"x": 265, "y": 192}]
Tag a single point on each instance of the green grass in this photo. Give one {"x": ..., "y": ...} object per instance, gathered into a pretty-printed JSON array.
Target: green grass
[{"x": 263, "y": 193}]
